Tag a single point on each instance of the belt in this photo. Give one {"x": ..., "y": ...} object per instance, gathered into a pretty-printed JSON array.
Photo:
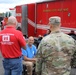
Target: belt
[{"x": 14, "y": 58}]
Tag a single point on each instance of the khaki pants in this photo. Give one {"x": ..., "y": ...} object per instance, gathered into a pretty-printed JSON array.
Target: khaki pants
[{"x": 29, "y": 66}]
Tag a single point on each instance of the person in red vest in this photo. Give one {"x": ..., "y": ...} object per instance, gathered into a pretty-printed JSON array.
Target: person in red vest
[{"x": 11, "y": 42}]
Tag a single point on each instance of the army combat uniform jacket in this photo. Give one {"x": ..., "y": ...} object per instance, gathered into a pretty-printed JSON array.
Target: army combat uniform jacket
[{"x": 54, "y": 54}]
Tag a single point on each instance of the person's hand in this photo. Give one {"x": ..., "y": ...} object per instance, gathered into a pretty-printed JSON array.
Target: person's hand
[{"x": 34, "y": 60}]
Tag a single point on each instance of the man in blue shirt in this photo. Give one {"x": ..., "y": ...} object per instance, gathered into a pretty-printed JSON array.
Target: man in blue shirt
[{"x": 29, "y": 55}]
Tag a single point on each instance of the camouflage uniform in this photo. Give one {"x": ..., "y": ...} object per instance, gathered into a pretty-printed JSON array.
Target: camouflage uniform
[{"x": 54, "y": 54}]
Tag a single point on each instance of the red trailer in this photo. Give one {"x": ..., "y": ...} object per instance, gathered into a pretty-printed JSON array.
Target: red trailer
[
  {"x": 34, "y": 17},
  {"x": 25, "y": 15}
]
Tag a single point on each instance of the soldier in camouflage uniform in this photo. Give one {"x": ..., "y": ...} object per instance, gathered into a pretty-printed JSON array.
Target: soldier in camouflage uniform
[{"x": 55, "y": 51}]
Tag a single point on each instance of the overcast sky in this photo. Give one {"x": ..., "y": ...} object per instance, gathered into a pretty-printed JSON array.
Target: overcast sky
[{"x": 6, "y": 4}]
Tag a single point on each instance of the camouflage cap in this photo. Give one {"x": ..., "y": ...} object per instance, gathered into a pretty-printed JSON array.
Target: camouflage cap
[{"x": 55, "y": 20}]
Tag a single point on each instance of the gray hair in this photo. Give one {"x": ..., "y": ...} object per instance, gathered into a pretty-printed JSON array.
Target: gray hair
[
  {"x": 55, "y": 20},
  {"x": 12, "y": 20}
]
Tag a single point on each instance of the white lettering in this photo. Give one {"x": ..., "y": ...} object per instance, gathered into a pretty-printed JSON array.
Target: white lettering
[{"x": 5, "y": 38}]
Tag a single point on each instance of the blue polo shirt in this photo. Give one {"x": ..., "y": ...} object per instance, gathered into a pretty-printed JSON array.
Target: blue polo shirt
[{"x": 29, "y": 52}]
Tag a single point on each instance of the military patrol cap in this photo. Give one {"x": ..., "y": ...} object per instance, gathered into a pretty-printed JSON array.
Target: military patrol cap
[{"x": 55, "y": 20}]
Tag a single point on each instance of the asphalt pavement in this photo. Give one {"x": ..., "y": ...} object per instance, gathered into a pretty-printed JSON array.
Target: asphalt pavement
[{"x": 1, "y": 66}]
